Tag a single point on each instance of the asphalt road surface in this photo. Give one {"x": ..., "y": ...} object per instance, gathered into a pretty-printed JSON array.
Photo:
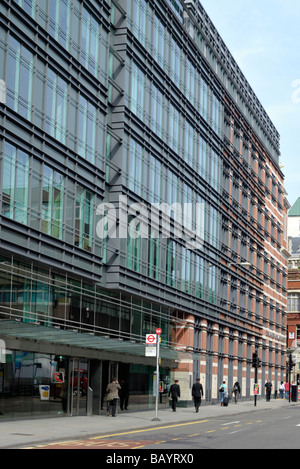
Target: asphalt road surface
[{"x": 268, "y": 429}]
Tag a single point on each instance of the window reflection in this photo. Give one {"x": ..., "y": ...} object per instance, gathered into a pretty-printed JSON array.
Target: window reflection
[{"x": 31, "y": 384}]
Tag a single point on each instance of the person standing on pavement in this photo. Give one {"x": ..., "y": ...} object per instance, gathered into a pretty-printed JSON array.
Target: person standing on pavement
[
  {"x": 223, "y": 391},
  {"x": 236, "y": 390},
  {"x": 287, "y": 389},
  {"x": 112, "y": 396},
  {"x": 174, "y": 393},
  {"x": 124, "y": 394},
  {"x": 281, "y": 390},
  {"x": 268, "y": 387},
  {"x": 197, "y": 393}
]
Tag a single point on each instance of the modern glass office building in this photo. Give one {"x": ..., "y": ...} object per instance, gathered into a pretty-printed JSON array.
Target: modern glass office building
[{"x": 140, "y": 188}]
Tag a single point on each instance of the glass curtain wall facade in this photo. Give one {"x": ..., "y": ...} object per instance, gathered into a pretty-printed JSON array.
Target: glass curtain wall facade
[
  {"x": 195, "y": 133},
  {"x": 137, "y": 104}
]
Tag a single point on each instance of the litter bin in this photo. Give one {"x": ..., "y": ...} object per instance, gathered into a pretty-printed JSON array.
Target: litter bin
[{"x": 294, "y": 393}]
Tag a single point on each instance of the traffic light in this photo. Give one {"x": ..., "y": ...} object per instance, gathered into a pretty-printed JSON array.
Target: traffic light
[
  {"x": 291, "y": 364},
  {"x": 256, "y": 363},
  {"x": 254, "y": 360}
]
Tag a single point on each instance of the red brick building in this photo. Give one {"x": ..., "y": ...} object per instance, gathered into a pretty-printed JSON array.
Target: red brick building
[{"x": 293, "y": 316}]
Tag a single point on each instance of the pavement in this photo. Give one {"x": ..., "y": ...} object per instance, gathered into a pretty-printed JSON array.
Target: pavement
[{"x": 22, "y": 433}]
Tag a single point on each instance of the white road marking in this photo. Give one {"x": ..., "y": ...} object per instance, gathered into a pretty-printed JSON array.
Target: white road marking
[
  {"x": 230, "y": 423},
  {"x": 237, "y": 431}
]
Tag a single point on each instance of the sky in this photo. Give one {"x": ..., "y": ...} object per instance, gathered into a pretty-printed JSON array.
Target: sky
[{"x": 264, "y": 38}]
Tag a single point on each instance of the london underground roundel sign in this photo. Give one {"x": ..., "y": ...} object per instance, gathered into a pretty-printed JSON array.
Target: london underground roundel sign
[{"x": 151, "y": 339}]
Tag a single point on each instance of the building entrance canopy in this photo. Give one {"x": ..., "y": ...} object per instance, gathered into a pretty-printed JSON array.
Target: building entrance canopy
[{"x": 52, "y": 335}]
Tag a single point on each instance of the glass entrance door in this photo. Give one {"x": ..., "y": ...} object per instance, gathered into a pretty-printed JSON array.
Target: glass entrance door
[
  {"x": 113, "y": 371},
  {"x": 78, "y": 379},
  {"x": 109, "y": 370}
]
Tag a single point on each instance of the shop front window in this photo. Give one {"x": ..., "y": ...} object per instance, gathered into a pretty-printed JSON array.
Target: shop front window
[{"x": 32, "y": 384}]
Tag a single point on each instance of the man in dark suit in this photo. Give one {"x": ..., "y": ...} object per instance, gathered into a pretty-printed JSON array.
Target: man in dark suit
[
  {"x": 197, "y": 393},
  {"x": 175, "y": 394}
]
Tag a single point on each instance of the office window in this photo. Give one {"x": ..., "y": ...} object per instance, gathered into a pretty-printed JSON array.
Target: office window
[
  {"x": 199, "y": 277},
  {"x": 204, "y": 99},
  {"x": 174, "y": 127},
  {"x": 134, "y": 167},
  {"x": 137, "y": 91},
  {"x": 293, "y": 302},
  {"x": 215, "y": 172},
  {"x": 190, "y": 80},
  {"x": 89, "y": 40},
  {"x": 60, "y": 21},
  {"x": 202, "y": 157},
  {"x": 175, "y": 62},
  {"x": 188, "y": 208},
  {"x": 77, "y": 30},
  {"x": 216, "y": 115},
  {"x": 213, "y": 222},
  {"x": 133, "y": 245},
  {"x": 139, "y": 19},
  {"x": 171, "y": 263},
  {"x": 212, "y": 284},
  {"x": 185, "y": 270},
  {"x": 155, "y": 179},
  {"x": 42, "y": 96},
  {"x": 84, "y": 213},
  {"x": 172, "y": 187},
  {"x": 93, "y": 46},
  {"x": 28, "y": 5},
  {"x": 87, "y": 130},
  {"x": 19, "y": 78},
  {"x": 158, "y": 41},
  {"x": 189, "y": 143},
  {"x": 56, "y": 106},
  {"x": 52, "y": 202},
  {"x": 44, "y": 199},
  {"x": 15, "y": 184},
  {"x": 154, "y": 255},
  {"x": 156, "y": 117}
]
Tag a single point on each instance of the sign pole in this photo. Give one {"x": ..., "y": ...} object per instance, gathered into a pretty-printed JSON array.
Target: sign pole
[
  {"x": 256, "y": 381},
  {"x": 158, "y": 332},
  {"x": 256, "y": 363}
]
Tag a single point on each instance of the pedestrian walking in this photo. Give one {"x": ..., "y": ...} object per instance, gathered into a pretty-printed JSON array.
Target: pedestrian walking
[
  {"x": 287, "y": 390},
  {"x": 197, "y": 393},
  {"x": 174, "y": 393},
  {"x": 112, "y": 397},
  {"x": 281, "y": 390},
  {"x": 236, "y": 390},
  {"x": 268, "y": 387},
  {"x": 223, "y": 391}
]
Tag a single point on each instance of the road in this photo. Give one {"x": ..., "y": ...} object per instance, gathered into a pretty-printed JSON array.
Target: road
[{"x": 276, "y": 429}]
